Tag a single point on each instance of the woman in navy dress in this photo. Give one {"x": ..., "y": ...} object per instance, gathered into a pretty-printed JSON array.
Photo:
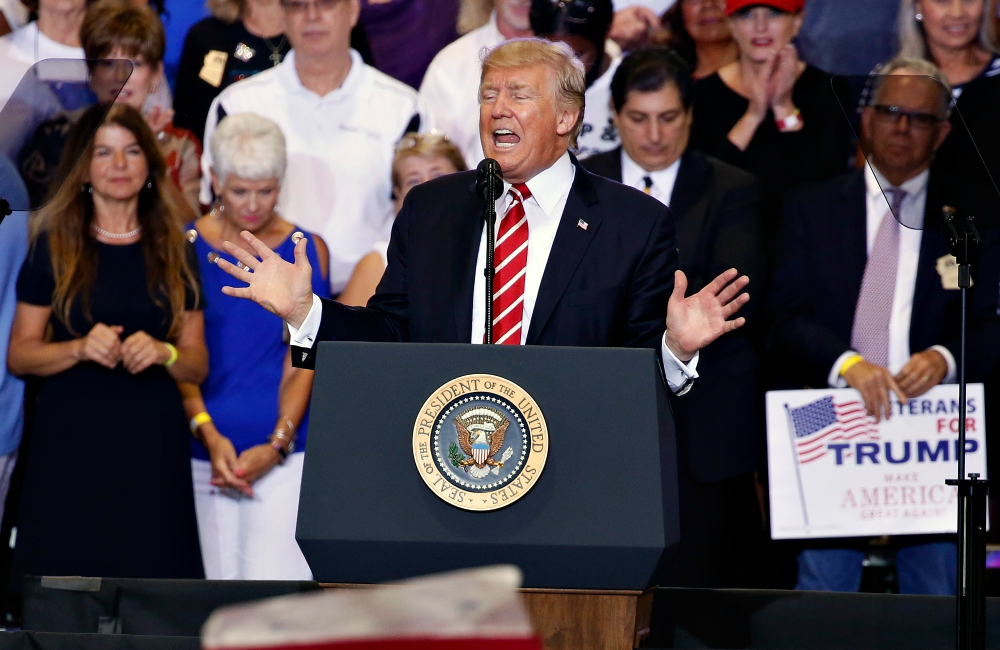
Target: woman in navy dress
[
  {"x": 250, "y": 416},
  {"x": 107, "y": 488}
]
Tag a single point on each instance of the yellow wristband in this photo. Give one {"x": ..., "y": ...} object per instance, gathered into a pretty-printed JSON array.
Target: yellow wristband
[
  {"x": 850, "y": 363},
  {"x": 173, "y": 355},
  {"x": 198, "y": 420}
]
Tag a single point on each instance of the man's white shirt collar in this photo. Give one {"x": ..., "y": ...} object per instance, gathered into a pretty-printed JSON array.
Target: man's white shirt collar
[
  {"x": 663, "y": 179},
  {"x": 548, "y": 187},
  {"x": 876, "y": 184}
]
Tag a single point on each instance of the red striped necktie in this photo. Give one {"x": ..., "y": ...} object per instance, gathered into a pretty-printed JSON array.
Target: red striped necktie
[{"x": 511, "y": 260}]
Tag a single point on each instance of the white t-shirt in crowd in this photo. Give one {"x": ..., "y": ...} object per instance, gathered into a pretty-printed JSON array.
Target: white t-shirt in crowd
[
  {"x": 599, "y": 133},
  {"x": 340, "y": 149},
  {"x": 23, "y": 48},
  {"x": 450, "y": 90}
]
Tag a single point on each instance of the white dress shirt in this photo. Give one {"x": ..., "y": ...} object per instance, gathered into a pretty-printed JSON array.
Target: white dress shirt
[
  {"x": 663, "y": 180},
  {"x": 910, "y": 236},
  {"x": 549, "y": 192},
  {"x": 450, "y": 89},
  {"x": 339, "y": 146}
]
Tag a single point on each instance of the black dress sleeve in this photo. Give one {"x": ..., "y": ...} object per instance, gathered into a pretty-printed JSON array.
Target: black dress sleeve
[
  {"x": 716, "y": 109},
  {"x": 194, "y": 297},
  {"x": 36, "y": 282},
  {"x": 193, "y": 96}
]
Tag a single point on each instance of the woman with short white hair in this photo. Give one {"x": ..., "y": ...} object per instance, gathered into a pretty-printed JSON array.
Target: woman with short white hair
[{"x": 250, "y": 416}]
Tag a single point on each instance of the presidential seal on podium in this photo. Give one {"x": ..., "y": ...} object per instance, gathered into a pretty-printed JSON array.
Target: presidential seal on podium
[{"x": 480, "y": 442}]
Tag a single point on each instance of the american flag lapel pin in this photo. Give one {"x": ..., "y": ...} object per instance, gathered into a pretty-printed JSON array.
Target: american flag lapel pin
[{"x": 581, "y": 224}]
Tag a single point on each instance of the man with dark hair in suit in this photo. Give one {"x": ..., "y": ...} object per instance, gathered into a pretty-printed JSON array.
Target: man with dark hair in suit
[
  {"x": 715, "y": 207},
  {"x": 579, "y": 261},
  {"x": 861, "y": 297}
]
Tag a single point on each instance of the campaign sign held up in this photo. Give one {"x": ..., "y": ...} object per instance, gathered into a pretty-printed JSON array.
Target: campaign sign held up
[{"x": 835, "y": 472}]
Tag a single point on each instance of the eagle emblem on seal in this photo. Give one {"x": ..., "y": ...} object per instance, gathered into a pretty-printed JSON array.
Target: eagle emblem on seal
[{"x": 481, "y": 431}]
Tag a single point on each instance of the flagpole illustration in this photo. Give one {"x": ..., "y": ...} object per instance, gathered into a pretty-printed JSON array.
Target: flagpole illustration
[{"x": 795, "y": 457}]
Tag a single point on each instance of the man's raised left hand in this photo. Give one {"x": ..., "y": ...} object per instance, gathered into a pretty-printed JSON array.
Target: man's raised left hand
[{"x": 695, "y": 321}]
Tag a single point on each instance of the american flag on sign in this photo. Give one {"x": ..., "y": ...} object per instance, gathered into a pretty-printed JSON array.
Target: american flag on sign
[{"x": 824, "y": 421}]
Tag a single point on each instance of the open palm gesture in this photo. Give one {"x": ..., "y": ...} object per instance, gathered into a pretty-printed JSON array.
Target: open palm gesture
[
  {"x": 281, "y": 288},
  {"x": 695, "y": 321}
]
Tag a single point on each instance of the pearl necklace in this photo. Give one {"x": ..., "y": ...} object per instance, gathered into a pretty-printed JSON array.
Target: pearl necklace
[{"x": 115, "y": 235}]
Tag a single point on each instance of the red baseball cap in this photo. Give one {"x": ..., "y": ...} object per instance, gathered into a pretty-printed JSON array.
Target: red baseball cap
[{"x": 788, "y": 6}]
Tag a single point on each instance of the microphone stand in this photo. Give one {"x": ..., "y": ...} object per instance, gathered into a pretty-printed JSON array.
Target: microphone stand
[
  {"x": 489, "y": 186},
  {"x": 970, "y": 615}
]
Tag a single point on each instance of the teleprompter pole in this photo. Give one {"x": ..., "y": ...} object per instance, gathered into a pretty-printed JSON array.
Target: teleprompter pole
[{"x": 970, "y": 608}]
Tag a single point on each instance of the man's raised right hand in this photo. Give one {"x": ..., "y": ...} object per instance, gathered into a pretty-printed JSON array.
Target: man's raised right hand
[{"x": 281, "y": 288}]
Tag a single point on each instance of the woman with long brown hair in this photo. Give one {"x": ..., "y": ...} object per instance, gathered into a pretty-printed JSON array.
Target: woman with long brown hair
[
  {"x": 107, "y": 488},
  {"x": 699, "y": 32}
]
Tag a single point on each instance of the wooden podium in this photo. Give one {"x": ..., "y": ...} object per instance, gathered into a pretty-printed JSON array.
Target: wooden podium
[
  {"x": 587, "y": 537},
  {"x": 573, "y": 619},
  {"x": 577, "y": 618}
]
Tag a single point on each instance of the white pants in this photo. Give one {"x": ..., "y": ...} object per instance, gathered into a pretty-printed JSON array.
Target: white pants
[
  {"x": 7, "y": 464},
  {"x": 251, "y": 538}
]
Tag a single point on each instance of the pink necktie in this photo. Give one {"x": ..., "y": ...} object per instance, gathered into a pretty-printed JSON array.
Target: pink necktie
[
  {"x": 870, "y": 334},
  {"x": 511, "y": 259}
]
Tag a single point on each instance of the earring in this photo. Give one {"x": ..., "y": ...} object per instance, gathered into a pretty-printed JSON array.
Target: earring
[
  {"x": 919, "y": 17},
  {"x": 90, "y": 189},
  {"x": 149, "y": 184}
]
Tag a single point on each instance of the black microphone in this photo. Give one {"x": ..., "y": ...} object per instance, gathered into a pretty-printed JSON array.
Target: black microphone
[
  {"x": 488, "y": 170},
  {"x": 489, "y": 186}
]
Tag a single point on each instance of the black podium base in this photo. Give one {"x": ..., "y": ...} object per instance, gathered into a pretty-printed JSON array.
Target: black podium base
[{"x": 746, "y": 618}]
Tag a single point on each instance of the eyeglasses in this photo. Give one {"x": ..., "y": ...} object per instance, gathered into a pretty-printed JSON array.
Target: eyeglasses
[
  {"x": 302, "y": 6},
  {"x": 916, "y": 119}
]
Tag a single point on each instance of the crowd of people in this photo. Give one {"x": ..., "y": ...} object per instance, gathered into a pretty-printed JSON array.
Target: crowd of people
[{"x": 167, "y": 438}]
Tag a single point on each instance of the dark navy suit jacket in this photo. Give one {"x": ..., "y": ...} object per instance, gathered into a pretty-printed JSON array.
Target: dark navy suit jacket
[
  {"x": 821, "y": 263},
  {"x": 604, "y": 285},
  {"x": 717, "y": 210}
]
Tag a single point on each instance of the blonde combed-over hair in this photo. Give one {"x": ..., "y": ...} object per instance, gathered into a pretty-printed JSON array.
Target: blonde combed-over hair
[{"x": 570, "y": 74}]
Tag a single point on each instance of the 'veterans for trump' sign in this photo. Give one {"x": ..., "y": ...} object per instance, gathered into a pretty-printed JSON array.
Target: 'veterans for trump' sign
[{"x": 835, "y": 472}]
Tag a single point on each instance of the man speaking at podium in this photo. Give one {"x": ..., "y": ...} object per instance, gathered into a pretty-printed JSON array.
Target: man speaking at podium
[{"x": 580, "y": 260}]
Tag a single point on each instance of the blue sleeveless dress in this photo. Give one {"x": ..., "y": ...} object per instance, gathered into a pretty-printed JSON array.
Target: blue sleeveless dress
[{"x": 246, "y": 354}]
